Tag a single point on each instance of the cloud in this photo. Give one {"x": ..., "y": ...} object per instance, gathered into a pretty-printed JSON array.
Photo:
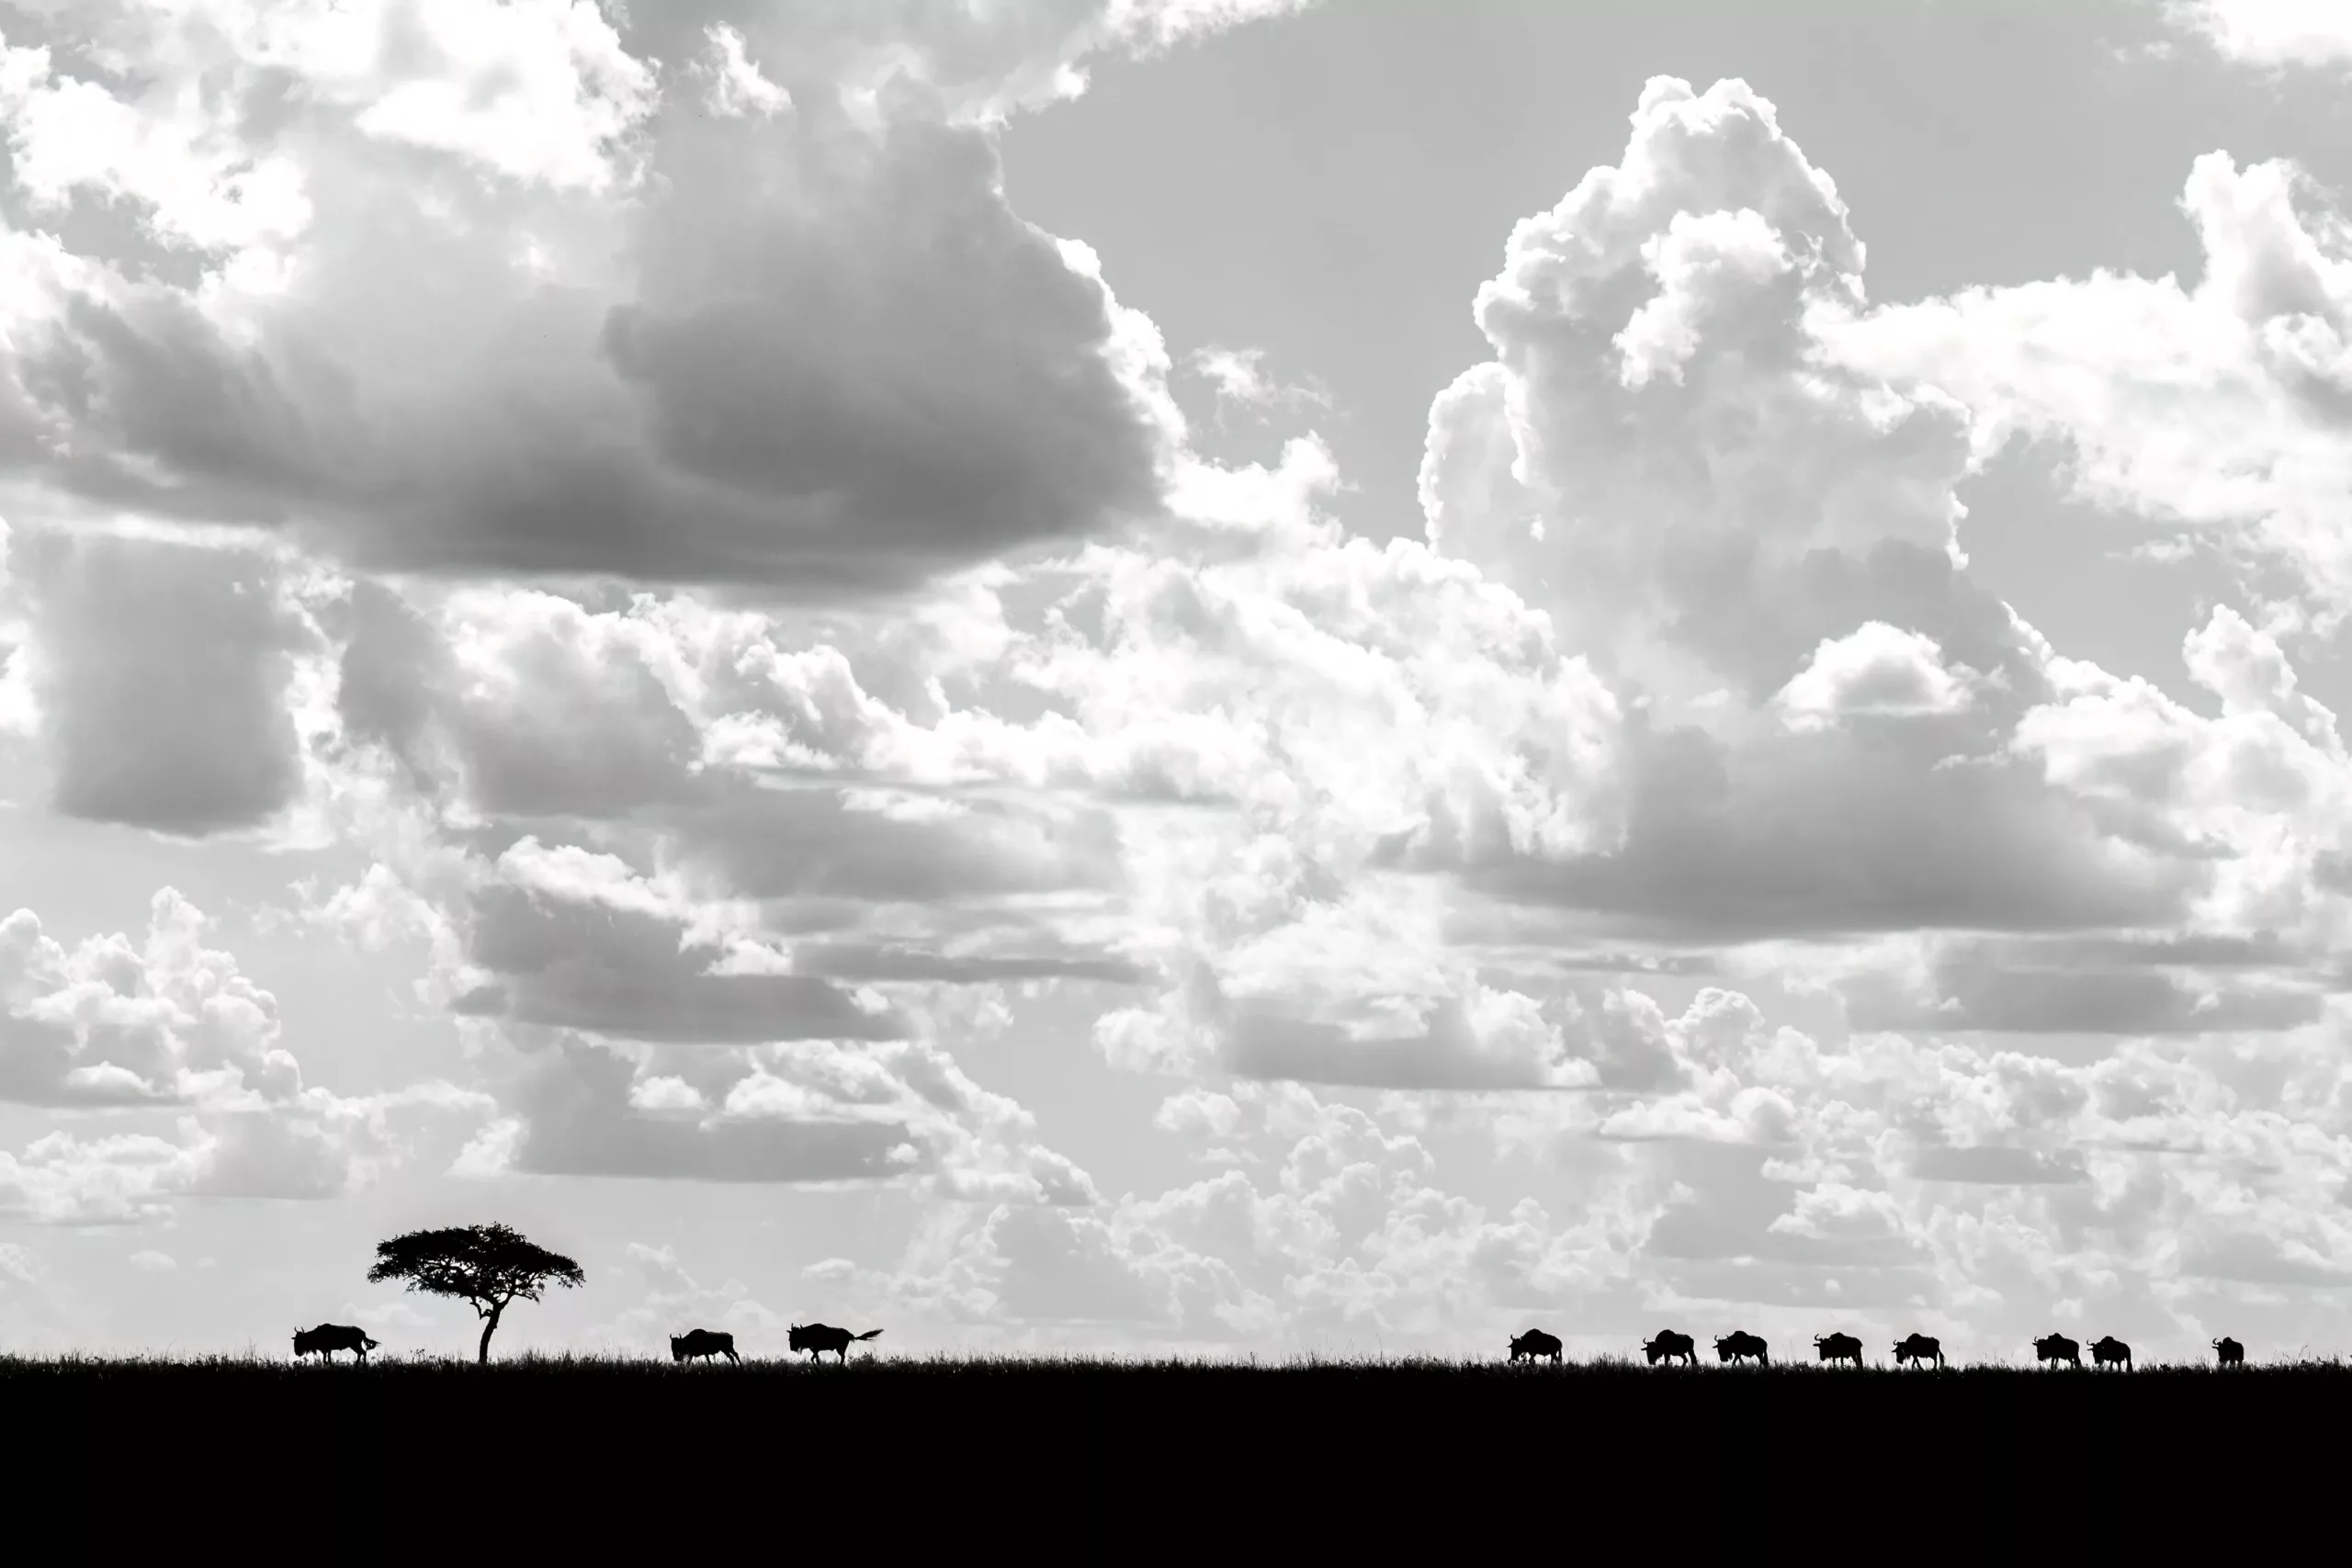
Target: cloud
[
  {"x": 1239, "y": 379},
  {"x": 188, "y": 728},
  {"x": 805, "y": 1111},
  {"x": 2219, "y": 405},
  {"x": 120, "y": 1179},
  {"x": 1597, "y": 467},
  {"x": 107, "y": 1023},
  {"x": 982, "y": 63},
  {"x": 1875, "y": 671},
  {"x": 626, "y": 335},
  {"x": 170, "y": 1023},
  {"x": 2062, "y": 984},
  {"x": 2269, "y": 32},
  {"x": 1699, "y": 453},
  {"x": 944, "y": 693}
]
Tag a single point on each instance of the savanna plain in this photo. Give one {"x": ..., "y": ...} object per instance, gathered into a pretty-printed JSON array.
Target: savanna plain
[{"x": 1994, "y": 1451}]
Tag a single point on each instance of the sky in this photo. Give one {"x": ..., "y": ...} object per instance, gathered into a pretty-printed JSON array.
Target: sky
[{"x": 1201, "y": 676}]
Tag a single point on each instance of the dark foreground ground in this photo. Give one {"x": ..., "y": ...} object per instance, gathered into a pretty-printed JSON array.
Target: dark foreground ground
[{"x": 615, "y": 1459}]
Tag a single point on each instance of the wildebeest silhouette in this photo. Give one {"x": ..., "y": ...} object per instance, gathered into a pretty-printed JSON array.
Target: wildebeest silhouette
[
  {"x": 1535, "y": 1345},
  {"x": 1919, "y": 1347},
  {"x": 817, "y": 1337},
  {"x": 1838, "y": 1348},
  {"x": 1669, "y": 1347},
  {"x": 697, "y": 1342},
  {"x": 2229, "y": 1352},
  {"x": 2110, "y": 1349},
  {"x": 329, "y": 1338},
  {"x": 1740, "y": 1345},
  {"x": 2057, "y": 1348}
]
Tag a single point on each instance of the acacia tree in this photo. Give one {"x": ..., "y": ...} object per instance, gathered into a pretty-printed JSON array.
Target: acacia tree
[{"x": 484, "y": 1266}]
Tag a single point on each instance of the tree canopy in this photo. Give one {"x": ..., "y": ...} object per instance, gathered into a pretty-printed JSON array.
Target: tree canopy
[{"x": 485, "y": 1265}]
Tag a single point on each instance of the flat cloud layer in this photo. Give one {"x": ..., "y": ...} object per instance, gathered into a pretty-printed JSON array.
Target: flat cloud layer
[{"x": 748, "y": 612}]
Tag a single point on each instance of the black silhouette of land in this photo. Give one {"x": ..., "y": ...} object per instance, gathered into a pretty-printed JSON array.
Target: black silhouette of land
[{"x": 1077, "y": 1455}]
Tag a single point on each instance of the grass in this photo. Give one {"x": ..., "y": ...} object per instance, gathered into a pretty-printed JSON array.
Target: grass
[{"x": 254, "y": 1363}]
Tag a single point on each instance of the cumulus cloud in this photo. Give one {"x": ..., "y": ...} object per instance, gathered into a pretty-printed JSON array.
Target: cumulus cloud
[
  {"x": 1876, "y": 670},
  {"x": 941, "y": 685},
  {"x": 171, "y": 1023},
  {"x": 167, "y": 1020}
]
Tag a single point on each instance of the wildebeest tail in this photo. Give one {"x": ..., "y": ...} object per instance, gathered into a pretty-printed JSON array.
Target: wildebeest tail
[{"x": 867, "y": 1334}]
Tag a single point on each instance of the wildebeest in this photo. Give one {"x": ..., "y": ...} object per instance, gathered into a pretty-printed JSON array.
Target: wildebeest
[
  {"x": 2110, "y": 1349},
  {"x": 2057, "y": 1348},
  {"x": 1739, "y": 1346},
  {"x": 2229, "y": 1352},
  {"x": 817, "y": 1337},
  {"x": 1919, "y": 1347},
  {"x": 1535, "y": 1345},
  {"x": 329, "y": 1338},
  {"x": 1670, "y": 1346},
  {"x": 697, "y": 1342},
  {"x": 1838, "y": 1348}
]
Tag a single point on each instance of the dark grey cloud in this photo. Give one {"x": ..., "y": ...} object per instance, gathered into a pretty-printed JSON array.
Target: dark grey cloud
[
  {"x": 132, "y": 399},
  {"x": 910, "y": 371},
  {"x": 1832, "y": 833},
  {"x": 838, "y": 363},
  {"x": 574, "y": 1103},
  {"x": 2255, "y": 1258},
  {"x": 2061, "y": 987},
  {"x": 623, "y": 974},
  {"x": 161, "y": 672},
  {"x": 816, "y": 842},
  {"x": 1757, "y": 627},
  {"x": 1732, "y": 1219},
  {"x": 393, "y": 675},
  {"x": 39, "y": 1053}
]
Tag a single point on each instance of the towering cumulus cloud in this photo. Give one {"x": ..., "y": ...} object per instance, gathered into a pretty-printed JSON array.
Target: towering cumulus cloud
[{"x": 735, "y": 625}]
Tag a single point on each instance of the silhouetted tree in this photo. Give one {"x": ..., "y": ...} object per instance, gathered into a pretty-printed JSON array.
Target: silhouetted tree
[{"x": 484, "y": 1266}]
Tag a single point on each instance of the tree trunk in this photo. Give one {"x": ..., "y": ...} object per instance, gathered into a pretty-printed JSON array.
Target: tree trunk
[{"x": 488, "y": 1327}]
